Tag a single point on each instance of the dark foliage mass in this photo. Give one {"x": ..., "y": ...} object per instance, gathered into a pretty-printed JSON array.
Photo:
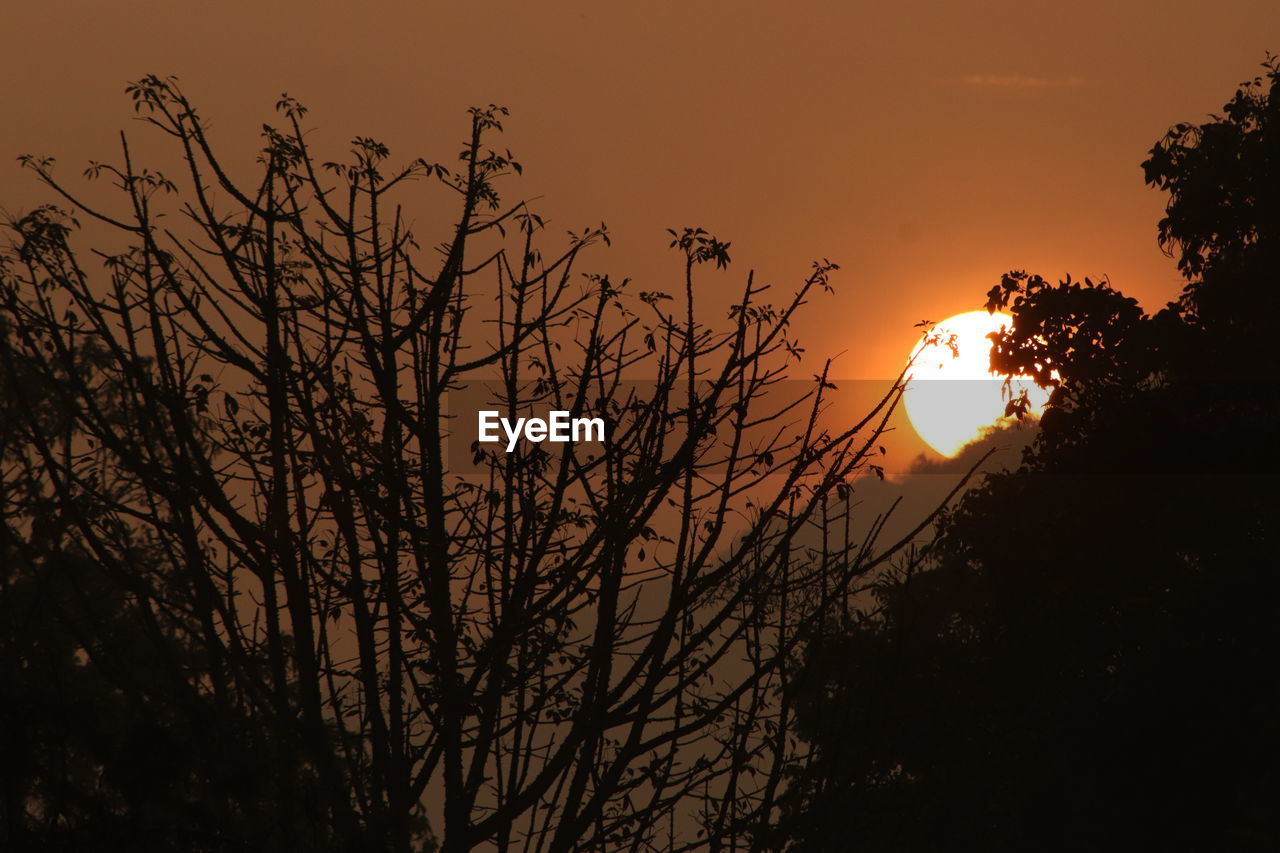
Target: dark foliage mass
[
  {"x": 107, "y": 739},
  {"x": 1085, "y": 661}
]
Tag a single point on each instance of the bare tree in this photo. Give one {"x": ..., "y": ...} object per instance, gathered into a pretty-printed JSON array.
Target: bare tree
[{"x": 577, "y": 650}]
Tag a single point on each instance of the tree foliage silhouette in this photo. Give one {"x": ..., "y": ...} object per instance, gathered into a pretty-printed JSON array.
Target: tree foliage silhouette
[
  {"x": 1084, "y": 660},
  {"x": 109, "y": 740},
  {"x": 421, "y": 647}
]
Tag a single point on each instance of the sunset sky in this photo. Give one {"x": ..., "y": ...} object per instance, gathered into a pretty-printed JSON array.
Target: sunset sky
[{"x": 926, "y": 147}]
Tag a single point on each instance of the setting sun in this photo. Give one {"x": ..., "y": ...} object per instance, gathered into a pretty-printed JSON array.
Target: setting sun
[{"x": 952, "y": 396}]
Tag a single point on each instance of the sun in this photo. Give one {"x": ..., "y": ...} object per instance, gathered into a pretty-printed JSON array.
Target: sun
[{"x": 952, "y": 397}]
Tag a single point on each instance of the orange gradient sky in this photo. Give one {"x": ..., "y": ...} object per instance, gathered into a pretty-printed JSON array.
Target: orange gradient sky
[{"x": 926, "y": 147}]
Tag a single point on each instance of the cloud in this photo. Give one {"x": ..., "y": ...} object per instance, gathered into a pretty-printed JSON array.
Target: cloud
[
  {"x": 1019, "y": 81},
  {"x": 1005, "y": 443},
  {"x": 910, "y": 497}
]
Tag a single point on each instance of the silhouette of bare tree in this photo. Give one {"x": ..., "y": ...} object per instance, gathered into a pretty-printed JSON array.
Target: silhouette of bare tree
[{"x": 523, "y": 650}]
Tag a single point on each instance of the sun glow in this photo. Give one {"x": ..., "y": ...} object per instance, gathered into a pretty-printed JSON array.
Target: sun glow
[{"x": 952, "y": 397}]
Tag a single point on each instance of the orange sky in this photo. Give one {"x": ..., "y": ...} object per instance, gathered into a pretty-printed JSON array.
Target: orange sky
[{"x": 926, "y": 147}]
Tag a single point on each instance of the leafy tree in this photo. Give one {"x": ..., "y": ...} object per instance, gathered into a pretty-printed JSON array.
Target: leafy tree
[
  {"x": 1222, "y": 220},
  {"x": 102, "y": 747},
  {"x": 1084, "y": 660},
  {"x": 524, "y": 650}
]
